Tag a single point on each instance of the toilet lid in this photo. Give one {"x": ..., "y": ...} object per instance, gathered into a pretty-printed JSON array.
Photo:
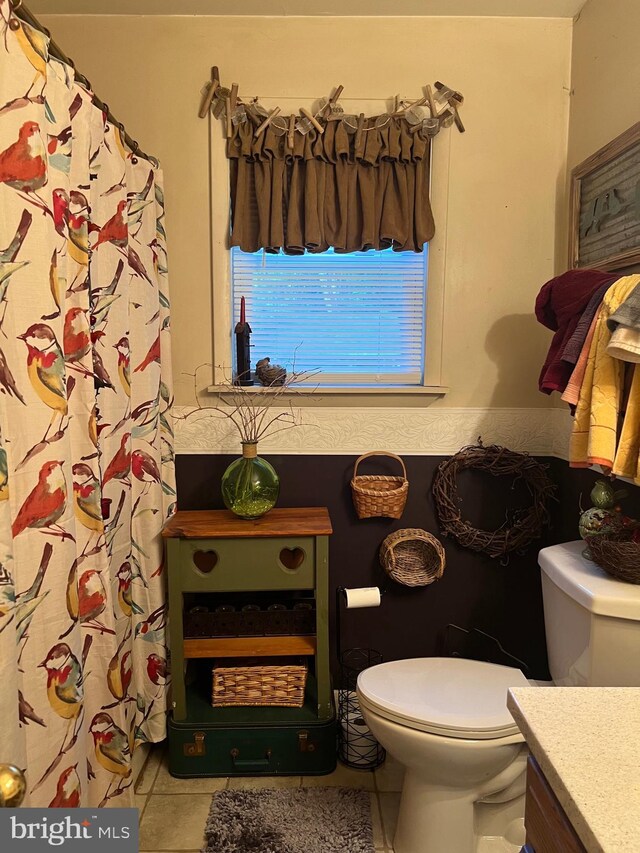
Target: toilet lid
[{"x": 452, "y": 697}]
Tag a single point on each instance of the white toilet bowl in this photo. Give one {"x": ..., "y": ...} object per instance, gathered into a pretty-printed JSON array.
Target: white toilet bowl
[{"x": 446, "y": 721}]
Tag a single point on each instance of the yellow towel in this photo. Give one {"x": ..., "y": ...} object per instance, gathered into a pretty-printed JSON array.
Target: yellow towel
[
  {"x": 626, "y": 463},
  {"x": 594, "y": 436}
]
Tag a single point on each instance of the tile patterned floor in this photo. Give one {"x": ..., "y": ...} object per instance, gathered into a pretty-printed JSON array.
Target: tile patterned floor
[{"x": 173, "y": 811}]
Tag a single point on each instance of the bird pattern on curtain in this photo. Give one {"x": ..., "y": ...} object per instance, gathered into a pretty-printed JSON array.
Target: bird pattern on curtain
[{"x": 86, "y": 455}]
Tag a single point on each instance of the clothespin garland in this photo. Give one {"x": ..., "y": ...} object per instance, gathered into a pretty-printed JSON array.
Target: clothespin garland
[{"x": 442, "y": 102}]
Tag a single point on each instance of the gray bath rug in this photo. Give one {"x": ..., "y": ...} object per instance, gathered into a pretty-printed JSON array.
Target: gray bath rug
[{"x": 290, "y": 820}]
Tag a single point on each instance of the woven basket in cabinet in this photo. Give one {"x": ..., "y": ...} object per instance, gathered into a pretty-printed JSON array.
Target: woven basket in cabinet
[
  {"x": 376, "y": 495},
  {"x": 255, "y": 685},
  {"x": 412, "y": 557}
]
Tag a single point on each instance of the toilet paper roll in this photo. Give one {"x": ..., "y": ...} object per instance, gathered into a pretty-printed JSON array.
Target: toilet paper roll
[
  {"x": 357, "y": 744},
  {"x": 366, "y": 596}
]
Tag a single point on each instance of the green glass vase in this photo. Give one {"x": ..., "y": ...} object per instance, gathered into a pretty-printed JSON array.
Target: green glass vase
[{"x": 250, "y": 485}]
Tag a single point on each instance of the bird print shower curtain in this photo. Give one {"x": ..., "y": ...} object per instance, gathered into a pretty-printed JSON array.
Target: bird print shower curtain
[{"x": 86, "y": 456}]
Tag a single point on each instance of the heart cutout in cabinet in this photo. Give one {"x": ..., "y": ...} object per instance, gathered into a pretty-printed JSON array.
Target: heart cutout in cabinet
[
  {"x": 292, "y": 558},
  {"x": 205, "y": 561}
]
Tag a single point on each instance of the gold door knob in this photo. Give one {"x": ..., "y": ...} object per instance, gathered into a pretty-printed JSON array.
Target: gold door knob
[{"x": 13, "y": 786}]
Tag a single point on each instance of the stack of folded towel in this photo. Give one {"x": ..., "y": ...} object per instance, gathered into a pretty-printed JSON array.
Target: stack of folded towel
[{"x": 596, "y": 320}]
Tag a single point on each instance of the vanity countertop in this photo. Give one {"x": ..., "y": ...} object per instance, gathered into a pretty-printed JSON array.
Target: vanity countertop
[{"x": 587, "y": 743}]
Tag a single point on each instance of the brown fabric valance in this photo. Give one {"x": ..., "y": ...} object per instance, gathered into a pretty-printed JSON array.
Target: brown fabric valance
[{"x": 351, "y": 192}]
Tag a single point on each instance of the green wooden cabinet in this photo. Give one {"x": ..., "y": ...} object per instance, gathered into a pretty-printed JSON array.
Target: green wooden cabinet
[{"x": 286, "y": 551}]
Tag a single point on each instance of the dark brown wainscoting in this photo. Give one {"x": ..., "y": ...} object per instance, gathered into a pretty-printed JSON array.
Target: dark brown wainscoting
[{"x": 475, "y": 591}]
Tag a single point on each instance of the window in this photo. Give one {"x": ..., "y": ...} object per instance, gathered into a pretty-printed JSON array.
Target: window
[{"x": 357, "y": 318}]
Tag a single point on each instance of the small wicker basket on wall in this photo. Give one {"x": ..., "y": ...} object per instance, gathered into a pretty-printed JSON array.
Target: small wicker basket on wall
[
  {"x": 412, "y": 557},
  {"x": 376, "y": 495}
]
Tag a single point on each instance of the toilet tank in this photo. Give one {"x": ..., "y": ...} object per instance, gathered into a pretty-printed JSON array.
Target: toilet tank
[{"x": 592, "y": 621}]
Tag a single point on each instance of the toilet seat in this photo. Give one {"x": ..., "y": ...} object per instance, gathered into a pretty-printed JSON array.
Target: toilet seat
[{"x": 451, "y": 697}]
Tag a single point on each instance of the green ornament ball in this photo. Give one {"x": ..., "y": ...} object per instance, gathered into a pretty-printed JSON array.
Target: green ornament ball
[
  {"x": 603, "y": 495},
  {"x": 596, "y": 521}
]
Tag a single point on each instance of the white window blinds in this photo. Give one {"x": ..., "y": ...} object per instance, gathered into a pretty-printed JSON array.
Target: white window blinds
[{"x": 357, "y": 318}]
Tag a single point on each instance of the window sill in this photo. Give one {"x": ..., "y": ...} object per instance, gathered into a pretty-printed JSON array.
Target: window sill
[{"x": 330, "y": 390}]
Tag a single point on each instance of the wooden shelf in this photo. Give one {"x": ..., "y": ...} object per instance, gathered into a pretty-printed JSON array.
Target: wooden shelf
[
  {"x": 223, "y": 524},
  {"x": 231, "y": 647}
]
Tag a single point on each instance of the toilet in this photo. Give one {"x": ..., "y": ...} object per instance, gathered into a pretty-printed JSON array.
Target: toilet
[{"x": 446, "y": 720}]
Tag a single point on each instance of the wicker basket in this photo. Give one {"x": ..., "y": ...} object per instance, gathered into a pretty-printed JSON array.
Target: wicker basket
[
  {"x": 375, "y": 495},
  {"x": 277, "y": 685},
  {"x": 619, "y": 558},
  {"x": 412, "y": 557}
]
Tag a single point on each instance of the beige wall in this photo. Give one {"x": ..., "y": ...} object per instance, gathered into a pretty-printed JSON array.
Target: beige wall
[
  {"x": 507, "y": 171},
  {"x": 605, "y": 83},
  {"x": 605, "y": 75}
]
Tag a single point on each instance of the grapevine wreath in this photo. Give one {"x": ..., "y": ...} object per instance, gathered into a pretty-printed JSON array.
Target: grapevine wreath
[{"x": 522, "y": 526}]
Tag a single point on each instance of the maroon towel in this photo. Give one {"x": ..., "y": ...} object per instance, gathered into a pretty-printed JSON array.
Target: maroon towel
[{"x": 559, "y": 307}]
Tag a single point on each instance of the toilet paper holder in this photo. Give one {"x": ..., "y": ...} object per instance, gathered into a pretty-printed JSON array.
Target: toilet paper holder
[
  {"x": 342, "y": 598},
  {"x": 357, "y": 747}
]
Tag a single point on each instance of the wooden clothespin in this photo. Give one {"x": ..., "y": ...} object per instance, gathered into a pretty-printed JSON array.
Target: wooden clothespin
[
  {"x": 333, "y": 100},
  {"x": 457, "y": 119},
  {"x": 210, "y": 91},
  {"x": 420, "y": 102},
  {"x": 233, "y": 96},
  {"x": 314, "y": 121},
  {"x": 228, "y": 125},
  {"x": 432, "y": 104},
  {"x": 359, "y": 133},
  {"x": 265, "y": 124},
  {"x": 291, "y": 131},
  {"x": 447, "y": 94},
  {"x": 453, "y": 99},
  {"x": 231, "y": 106},
  {"x": 332, "y": 111}
]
